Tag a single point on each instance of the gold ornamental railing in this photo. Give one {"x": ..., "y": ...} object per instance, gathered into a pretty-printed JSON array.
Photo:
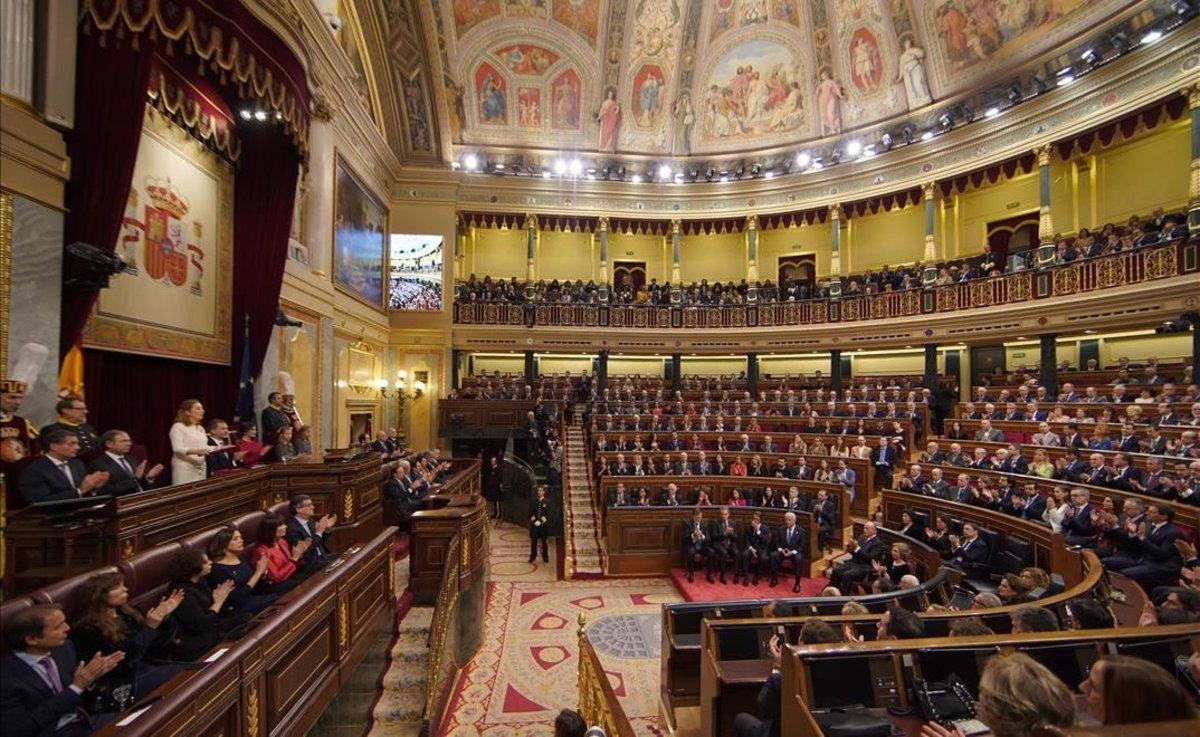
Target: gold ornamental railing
[
  {"x": 598, "y": 704},
  {"x": 1131, "y": 267},
  {"x": 441, "y": 666}
]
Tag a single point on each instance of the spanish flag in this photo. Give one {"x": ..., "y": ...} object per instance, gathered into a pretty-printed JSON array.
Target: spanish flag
[{"x": 70, "y": 374}]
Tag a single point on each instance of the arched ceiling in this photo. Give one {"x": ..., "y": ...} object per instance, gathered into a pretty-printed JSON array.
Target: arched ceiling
[{"x": 698, "y": 77}]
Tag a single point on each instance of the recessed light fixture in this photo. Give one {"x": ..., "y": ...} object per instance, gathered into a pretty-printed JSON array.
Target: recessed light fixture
[
  {"x": 664, "y": 171},
  {"x": 546, "y": 174},
  {"x": 246, "y": 114},
  {"x": 260, "y": 115},
  {"x": 636, "y": 179},
  {"x": 575, "y": 167},
  {"x": 926, "y": 135},
  {"x": 471, "y": 161},
  {"x": 560, "y": 167},
  {"x": 1152, "y": 36},
  {"x": 803, "y": 159},
  {"x": 854, "y": 148},
  {"x": 991, "y": 112}
]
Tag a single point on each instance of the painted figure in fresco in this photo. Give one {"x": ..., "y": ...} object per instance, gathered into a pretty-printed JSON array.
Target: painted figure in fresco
[
  {"x": 454, "y": 104},
  {"x": 566, "y": 106},
  {"x": 685, "y": 118},
  {"x": 829, "y": 97},
  {"x": 648, "y": 99},
  {"x": 492, "y": 99},
  {"x": 912, "y": 75},
  {"x": 864, "y": 56},
  {"x": 609, "y": 118}
]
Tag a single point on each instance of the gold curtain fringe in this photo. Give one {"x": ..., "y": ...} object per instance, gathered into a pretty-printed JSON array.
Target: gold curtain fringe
[
  {"x": 175, "y": 104},
  {"x": 223, "y": 53}
]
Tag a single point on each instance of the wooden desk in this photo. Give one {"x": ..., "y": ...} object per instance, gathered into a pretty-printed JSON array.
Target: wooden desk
[
  {"x": 432, "y": 530},
  {"x": 646, "y": 541}
]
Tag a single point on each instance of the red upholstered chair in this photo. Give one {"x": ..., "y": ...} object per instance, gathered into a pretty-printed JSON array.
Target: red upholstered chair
[{"x": 146, "y": 574}]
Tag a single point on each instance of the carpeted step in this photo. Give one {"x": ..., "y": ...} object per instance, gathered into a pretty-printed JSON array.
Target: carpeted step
[
  {"x": 400, "y": 706},
  {"x": 393, "y": 729}
]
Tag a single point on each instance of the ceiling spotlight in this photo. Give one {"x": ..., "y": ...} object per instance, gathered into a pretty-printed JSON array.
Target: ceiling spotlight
[
  {"x": 575, "y": 167},
  {"x": 471, "y": 162},
  {"x": 756, "y": 170},
  {"x": 1065, "y": 77},
  {"x": 1181, "y": 7},
  {"x": 769, "y": 174},
  {"x": 664, "y": 171},
  {"x": 1014, "y": 94},
  {"x": 854, "y": 148},
  {"x": 803, "y": 159},
  {"x": 1120, "y": 42},
  {"x": 1089, "y": 57},
  {"x": 1152, "y": 36},
  {"x": 693, "y": 174},
  {"x": 966, "y": 112},
  {"x": 636, "y": 178},
  {"x": 560, "y": 167},
  {"x": 741, "y": 171},
  {"x": 710, "y": 174},
  {"x": 817, "y": 165},
  {"x": 621, "y": 173},
  {"x": 868, "y": 152},
  {"x": 455, "y": 165},
  {"x": 946, "y": 121},
  {"x": 1037, "y": 85},
  {"x": 260, "y": 115},
  {"x": 927, "y": 135},
  {"x": 886, "y": 140},
  {"x": 991, "y": 112},
  {"x": 908, "y": 134},
  {"x": 546, "y": 174},
  {"x": 246, "y": 114},
  {"x": 499, "y": 168},
  {"x": 835, "y": 156}
]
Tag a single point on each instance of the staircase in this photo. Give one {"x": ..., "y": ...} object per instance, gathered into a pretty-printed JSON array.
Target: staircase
[
  {"x": 585, "y": 555},
  {"x": 401, "y": 690}
]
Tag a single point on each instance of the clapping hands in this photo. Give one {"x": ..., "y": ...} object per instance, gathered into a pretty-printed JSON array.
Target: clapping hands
[{"x": 163, "y": 609}]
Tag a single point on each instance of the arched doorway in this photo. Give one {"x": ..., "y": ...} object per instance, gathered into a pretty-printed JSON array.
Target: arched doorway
[
  {"x": 1013, "y": 236},
  {"x": 632, "y": 273},
  {"x": 800, "y": 268}
]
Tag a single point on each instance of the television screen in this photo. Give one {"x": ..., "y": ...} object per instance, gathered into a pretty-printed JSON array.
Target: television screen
[{"x": 415, "y": 272}]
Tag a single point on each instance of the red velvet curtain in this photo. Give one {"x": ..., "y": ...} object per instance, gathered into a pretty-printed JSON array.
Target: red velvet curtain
[{"x": 110, "y": 99}]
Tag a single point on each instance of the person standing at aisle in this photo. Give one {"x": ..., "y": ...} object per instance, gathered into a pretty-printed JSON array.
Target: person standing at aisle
[{"x": 539, "y": 525}]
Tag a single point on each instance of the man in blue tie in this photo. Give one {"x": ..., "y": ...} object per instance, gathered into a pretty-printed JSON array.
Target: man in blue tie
[
  {"x": 791, "y": 544},
  {"x": 884, "y": 458}
]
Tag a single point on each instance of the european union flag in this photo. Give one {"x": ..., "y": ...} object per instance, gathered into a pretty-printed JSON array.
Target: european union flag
[{"x": 244, "y": 410}]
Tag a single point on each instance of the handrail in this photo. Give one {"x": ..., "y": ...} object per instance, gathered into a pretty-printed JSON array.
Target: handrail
[
  {"x": 1145, "y": 264},
  {"x": 438, "y": 675},
  {"x": 598, "y": 704}
]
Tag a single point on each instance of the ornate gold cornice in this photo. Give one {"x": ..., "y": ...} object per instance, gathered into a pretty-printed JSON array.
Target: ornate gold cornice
[{"x": 1042, "y": 153}]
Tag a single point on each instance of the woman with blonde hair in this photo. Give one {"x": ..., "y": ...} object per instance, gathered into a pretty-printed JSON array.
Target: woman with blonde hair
[
  {"x": 1017, "y": 695},
  {"x": 189, "y": 443}
]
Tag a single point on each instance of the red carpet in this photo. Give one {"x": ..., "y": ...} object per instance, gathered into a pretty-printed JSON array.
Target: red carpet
[
  {"x": 702, "y": 590},
  {"x": 400, "y": 545}
]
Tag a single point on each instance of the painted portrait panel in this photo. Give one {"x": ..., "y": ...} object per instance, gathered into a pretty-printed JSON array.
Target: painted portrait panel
[
  {"x": 866, "y": 61},
  {"x": 526, "y": 59},
  {"x": 529, "y": 107},
  {"x": 565, "y": 100},
  {"x": 359, "y": 238},
  {"x": 491, "y": 95},
  {"x": 649, "y": 94}
]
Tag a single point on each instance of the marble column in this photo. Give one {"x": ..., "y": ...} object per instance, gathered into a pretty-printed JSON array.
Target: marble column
[
  {"x": 1045, "y": 252},
  {"x": 318, "y": 197},
  {"x": 602, "y": 241},
  {"x": 929, "y": 274},
  {"x": 835, "y": 240},
  {"x": 531, "y": 234},
  {"x": 676, "y": 234},
  {"x": 752, "y": 248}
]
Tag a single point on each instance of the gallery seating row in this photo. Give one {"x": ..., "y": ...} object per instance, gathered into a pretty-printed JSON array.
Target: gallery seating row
[
  {"x": 778, "y": 427},
  {"x": 1023, "y": 431},
  {"x": 1055, "y": 452},
  {"x": 280, "y": 676}
]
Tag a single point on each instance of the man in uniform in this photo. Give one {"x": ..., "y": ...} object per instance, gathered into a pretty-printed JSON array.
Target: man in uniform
[
  {"x": 72, "y": 417},
  {"x": 18, "y": 436},
  {"x": 539, "y": 525}
]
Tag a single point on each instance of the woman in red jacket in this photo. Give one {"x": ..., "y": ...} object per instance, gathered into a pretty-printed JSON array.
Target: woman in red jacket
[{"x": 281, "y": 558}]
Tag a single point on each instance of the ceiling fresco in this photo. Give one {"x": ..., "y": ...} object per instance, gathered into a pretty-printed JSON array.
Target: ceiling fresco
[{"x": 682, "y": 77}]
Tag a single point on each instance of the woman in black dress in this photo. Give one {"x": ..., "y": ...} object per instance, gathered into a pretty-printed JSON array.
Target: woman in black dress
[
  {"x": 104, "y": 623},
  {"x": 251, "y": 591},
  {"x": 200, "y": 625}
]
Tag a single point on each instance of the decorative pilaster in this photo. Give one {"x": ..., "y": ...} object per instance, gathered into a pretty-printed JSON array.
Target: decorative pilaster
[
  {"x": 1045, "y": 253},
  {"x": 317, "y": 216},
  {"x": 1193, "y": 94},
  {"x": 602, "y": 237},
  {"x": 531, "y": 232},
  {"x": 930, "y": 191},
  {"x": 676, "y": 234},
  {"x": 752, "y": 248}
]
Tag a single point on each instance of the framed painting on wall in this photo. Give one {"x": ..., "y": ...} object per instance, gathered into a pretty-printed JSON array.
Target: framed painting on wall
[{"x": 359, "y": 238}]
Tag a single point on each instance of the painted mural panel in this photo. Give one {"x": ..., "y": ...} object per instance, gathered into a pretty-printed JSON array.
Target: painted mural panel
[
  {"x": 527, "y": 59},
  {"x": 529, "y": 107},
  {"x": 566, "y": 98},
  {"x": 491, "y": 92},
  {"x": 581, "y": 16},
  {"x": 756, "y": 88},
  {"x": 470, "y": 13}
]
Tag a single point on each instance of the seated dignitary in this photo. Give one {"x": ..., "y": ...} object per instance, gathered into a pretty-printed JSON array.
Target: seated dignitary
[
  {"x": 790, "y": 544},
  {"x": 283, "y": 561},
  {"x": 126, "y": 473},
  {"x": 970, "y": 554},
  {"x": 696, "y": 545},
  {"x": 198, "y": 619},
  {"x": 400, "y": 494},
  {"x": 754, "y": 553},
  {"x": 723, "y": 539},
  {"x": 1146, "y": 550},
  {"x": 42, "y": 683},
  {"x": 58, "y": 475},
  {"x": 72, "y": 416},
  {"x": 863, "y": 551},
  {"x": 302, "y": 525}
]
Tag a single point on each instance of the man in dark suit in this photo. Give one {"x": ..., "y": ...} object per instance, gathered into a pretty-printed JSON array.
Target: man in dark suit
[
  {"x": 824, "y": 510},
  {"x": 883, "y": 458},
  {"x": 1156, "y": 559},
  {"x": 1077, "y": 524},
  {"x": 399, "y": 495},
  {"x": 1129, "y": 440},
  {"x": 971, "y": 554},
  {"x": 696, "y": 545},
  {"x": 41, "y": 681},
  {"x": 218, "y": 437},
  {"x": 936, "y": 486},
  {"x": 963, "y": 493},
  {"x": 766, "y": 724},
  {"x": 754, "y": 552},
  {"x": 791, "y": 543},
  {"x": 1124, "y": 476},
  {"x": 126, "y": 473},
  {"x": 722, "y": 535},
  {"x": 863, "y": 551},
  {"x": 618, "y": 497},
  {"x": 302, "y": 525},
  {"x": 539, "y": 526},
  {"x": 274, "y": 418},
  {"x": 58, "y": 475},
  {"x": 72, "y": 416}
]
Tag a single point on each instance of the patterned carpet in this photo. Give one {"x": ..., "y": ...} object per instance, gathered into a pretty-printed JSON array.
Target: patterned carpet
[{"x": 526, "y": 670}]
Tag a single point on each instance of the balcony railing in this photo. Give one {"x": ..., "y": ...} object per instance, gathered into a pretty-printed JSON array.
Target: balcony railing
[{"x": 1079, "y": 277}]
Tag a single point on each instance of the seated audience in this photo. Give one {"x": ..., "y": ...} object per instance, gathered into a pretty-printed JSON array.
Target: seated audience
[
  {"x": 251, "y": 593},
  {"x": 283, "y": 560},
  {"x": 199, "y": 621},
  {"x": 898, "y": 623},
  {"x": 1033, "y": 619},
  {"x": 302, "y": 525},
  {"x": 1017, "y": 695}
]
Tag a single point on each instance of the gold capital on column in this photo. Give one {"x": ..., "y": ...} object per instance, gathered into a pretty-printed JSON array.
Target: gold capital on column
[
  {"x": 1043, "y": 154},
  {"x": 929, "y": 190},
  {"x": 1193, "y": 96},
  {"x": 602, "y": 224},
  {"x": 752, "y": 222},
  {"x": 676, "y": 227},
  {"x": 531, "y": 221},
  {"x": 835, "y": 212}
]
